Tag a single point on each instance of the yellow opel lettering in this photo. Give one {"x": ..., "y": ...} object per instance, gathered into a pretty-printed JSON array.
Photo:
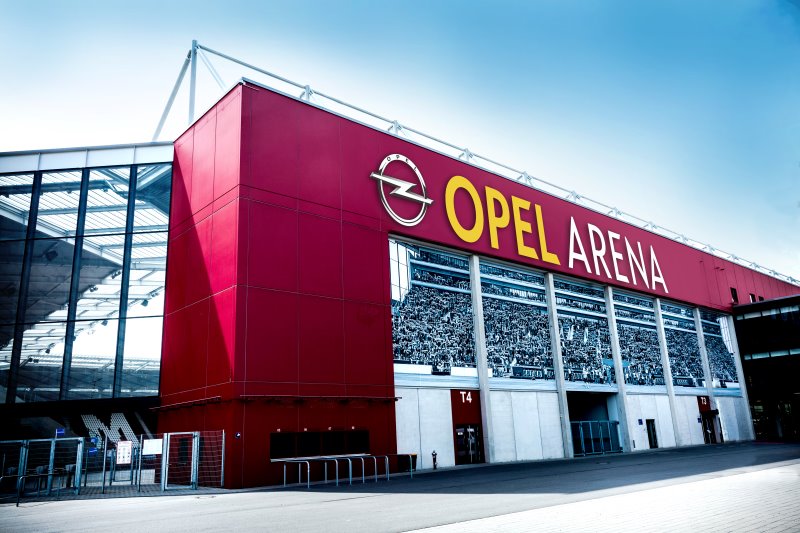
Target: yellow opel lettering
[
  {"x": 547, "y": 256},
  {"x": 460, "y": 182},
  {"x": 522, "y": 227},
  {"x": 495, "y": 221}
]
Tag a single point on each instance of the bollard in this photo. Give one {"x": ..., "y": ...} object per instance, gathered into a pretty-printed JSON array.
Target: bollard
[{"x": 433, "y": 455}]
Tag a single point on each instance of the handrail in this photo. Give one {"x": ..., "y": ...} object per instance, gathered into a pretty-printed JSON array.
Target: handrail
[
  {"x": 23, "y": 477},
  {"x": 324, "y": 459}
]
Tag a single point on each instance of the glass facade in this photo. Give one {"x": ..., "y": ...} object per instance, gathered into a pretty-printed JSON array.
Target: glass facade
[
  {"x": 682, "y": 345},
  {"x": 431, "y": 310},
  {"x": 516, "y": 323},
  {"x": 82, "y": 269},
  {"x": 583, "y": 328},
  {"x": 433, "y": 322},
  {"x": 719, "y": 349},
  {"x": 638, "y": 339}
]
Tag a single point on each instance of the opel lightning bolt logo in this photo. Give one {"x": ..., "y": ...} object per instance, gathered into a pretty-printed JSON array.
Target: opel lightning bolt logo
[{"x": 402, "y": 189}]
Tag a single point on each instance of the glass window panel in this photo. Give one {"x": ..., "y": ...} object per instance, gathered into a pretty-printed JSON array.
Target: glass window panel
[
  {"x": 684, "y": 357},
  {"x": 41, "y": 358},
  {"x": 641, "y": 354},
  {"x": 431, "y": 309},
  {"x": 148, "y": 264},
  {"x": 142, "y": 359},
  {"x": 10, "y": 271},
  {"x": 15, "y": 203},
  {"x": 93, "y": 355},
  {"x": 58, "y": 204},
  {"x": 107, "y": 200},
  {"x": 684, "y": 351},
  {"x": 584, "y": 333},
  {"x": 51, "y": 272},
  {"x": 153, "y": 185},
  {"x": 719, "y": 350},
  {"x": 516, "y": 322},
  {"x": 633, "y": 300},
  {"x": 586, "y": 348},
  {"x": 100, "y": 279}
]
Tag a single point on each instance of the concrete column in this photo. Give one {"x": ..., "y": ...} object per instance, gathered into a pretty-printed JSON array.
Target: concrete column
[
  {"x": 625, "y": 436},
  {"x": 662, "y": 342},
  {"x": 481, "y": 359},
  {"x": 558, "y": 366},
  {"x": 737, "y": 360},
  {"x": 709, "y": 378},
  {"x": 701, "y": 342}
]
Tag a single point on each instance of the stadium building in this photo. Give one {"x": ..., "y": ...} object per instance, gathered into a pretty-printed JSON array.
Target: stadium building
[{"x": 311, "y": 283}]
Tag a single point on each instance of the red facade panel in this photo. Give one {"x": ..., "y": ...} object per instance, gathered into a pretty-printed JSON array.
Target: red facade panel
[
  {"x": 272, "y": 340},
  {"x": 202, "y": 193},
  {"x": 319, "y": 157},
  {"x": 224, "y": 247},
  {"x": 272, "y": 258},
  {"x": 320, "y": 256}
]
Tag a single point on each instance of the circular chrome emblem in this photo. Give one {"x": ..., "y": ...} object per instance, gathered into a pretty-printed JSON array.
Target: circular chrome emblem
[{"x": 402, "y": 189}]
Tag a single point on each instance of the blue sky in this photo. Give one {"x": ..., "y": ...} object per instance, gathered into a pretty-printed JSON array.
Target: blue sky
[{"x": 685, "y": 113}]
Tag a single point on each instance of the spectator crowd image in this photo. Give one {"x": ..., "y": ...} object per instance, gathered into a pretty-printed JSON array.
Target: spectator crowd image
[
  {"x": 584, "y": 334},
  {"x": 516, "y": 323},
  {"x": 684, "y": 357},
  {"x": 433, "y": 325},
  {"x": 638, "y": 339},
  {"x": 720, "y": 356},
  {"x": 586, "y": 349},
  {"x": 432, "y": 321},
  {"x": 641, "y": 354},
  {"x": 517, "y": 335},
  {"x": 723, "y": 368}
]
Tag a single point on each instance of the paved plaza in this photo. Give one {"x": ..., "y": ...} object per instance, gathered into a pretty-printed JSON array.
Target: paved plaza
[{"x": 734, "y": 487}]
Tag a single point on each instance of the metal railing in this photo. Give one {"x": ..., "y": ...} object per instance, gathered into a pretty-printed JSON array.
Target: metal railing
[
  {"x": 324, "y": 460},
  {"x": 185, "y": 460}
]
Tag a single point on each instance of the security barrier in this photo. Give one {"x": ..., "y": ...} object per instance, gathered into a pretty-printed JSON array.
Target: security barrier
[{"x": 169, "y": 461}]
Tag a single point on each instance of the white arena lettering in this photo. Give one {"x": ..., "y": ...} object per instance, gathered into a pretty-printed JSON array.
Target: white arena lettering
[{"x": 598, "y": 247}]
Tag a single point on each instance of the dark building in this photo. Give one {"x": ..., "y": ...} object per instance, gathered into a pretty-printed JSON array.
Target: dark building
[{"x": 769, "y": 342}]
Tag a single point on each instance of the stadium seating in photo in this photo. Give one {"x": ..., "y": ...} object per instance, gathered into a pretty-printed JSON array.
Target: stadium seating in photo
[
  {"x": 433, "y": 326},
  {"x": 517, "y": 339},
  {"x": 586, "y": 349},
  {"x": 684, "y": 356},
  {"x": 723, "y": 368},
  {"x": 641, "y": 354},
  {"x": 441, "y": 279}
]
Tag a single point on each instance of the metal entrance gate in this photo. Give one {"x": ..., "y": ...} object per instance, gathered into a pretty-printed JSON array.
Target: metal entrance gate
[
  {"x": 595, "y": 437},
  {"x": 47, "y": 467},
  {"x": 41, "y": 466}
]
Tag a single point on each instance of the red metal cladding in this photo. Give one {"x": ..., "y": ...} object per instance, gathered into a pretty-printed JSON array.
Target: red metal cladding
[{"x": 277, "y": 282}]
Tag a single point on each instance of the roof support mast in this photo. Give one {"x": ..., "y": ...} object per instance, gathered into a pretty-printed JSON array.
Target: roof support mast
[
  {"x": 171, "y": 98},
  {"x": 192, "y": 81}
]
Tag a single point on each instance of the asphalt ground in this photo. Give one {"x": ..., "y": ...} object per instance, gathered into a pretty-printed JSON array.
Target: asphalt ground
[{"x": 731, "y": 487}]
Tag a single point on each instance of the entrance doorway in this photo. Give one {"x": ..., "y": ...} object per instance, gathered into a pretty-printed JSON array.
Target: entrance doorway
[
  {"x": 709, "y": 428},
  {"x": 592, "y": 421},
  {"x": 467, "y": 430},
  {"x": 469, "y": 449},
  {"x": 652, "y": 437}
]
